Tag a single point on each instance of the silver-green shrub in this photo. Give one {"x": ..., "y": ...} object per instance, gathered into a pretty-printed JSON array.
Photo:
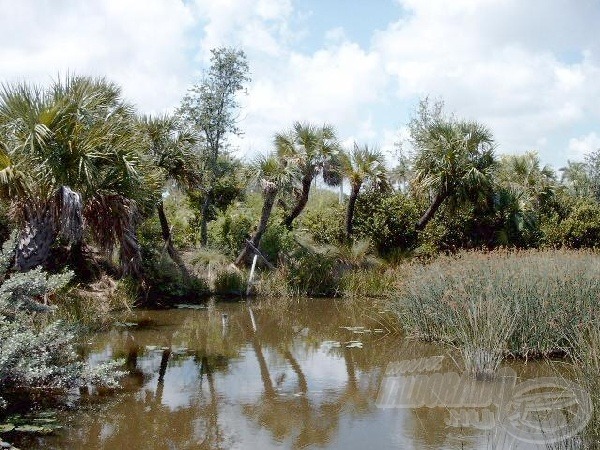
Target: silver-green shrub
[{"x": 38, "y": 354}]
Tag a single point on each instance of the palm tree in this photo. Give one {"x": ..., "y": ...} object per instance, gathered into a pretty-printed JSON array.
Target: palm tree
[
  {"x": 363, "y": 165},
  {"x": 274, "y": 175},
  {"x": 172, "y": 150},
  {"x": 314, "y": 148},
  {"x": 576, "y": 178},
  {"x": 454, "y": 160},
  {"x": 76, "y": 162}
]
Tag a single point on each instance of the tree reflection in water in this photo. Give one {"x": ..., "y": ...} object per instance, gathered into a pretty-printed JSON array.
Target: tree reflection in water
[{"x": 193, "y": 384}]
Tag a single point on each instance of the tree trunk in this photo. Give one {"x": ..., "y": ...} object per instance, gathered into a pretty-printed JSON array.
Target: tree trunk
[
  {"x": 269, "y": 201},
  {"x": 302, "y": 200},
  {"x": 350, "y": 212},
  {"x": 204, "y": 220},
  {"x": 435, "y": 204},
  {"x": 35, "y": 241},
  {"x": 130, "y": 254},
  {"x": 166, "y": 234}
]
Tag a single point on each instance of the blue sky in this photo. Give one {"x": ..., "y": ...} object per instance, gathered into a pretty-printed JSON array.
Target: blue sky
[{"x": 529, "y": 70}]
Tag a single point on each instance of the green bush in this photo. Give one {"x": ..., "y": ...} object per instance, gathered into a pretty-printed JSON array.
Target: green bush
[
  {"x": 324, "y": 222},
  {"x": 387, "y": 220},
  {"x": 581, "y": 229},
  {"x": 229, "y": 282},
  {"x": 312, "y": 273}
]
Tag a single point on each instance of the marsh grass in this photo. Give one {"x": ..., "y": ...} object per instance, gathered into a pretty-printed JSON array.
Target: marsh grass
[
  {"x": 524, "y": 304},
  {"x": 99, "y": 304}
]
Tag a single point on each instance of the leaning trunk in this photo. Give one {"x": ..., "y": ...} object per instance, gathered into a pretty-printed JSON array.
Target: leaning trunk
[
  {"x": 269, "y": 201},
  {"x": 435, "y": 204},
  {"x": 302, "y": 200},
  {"x": 350, "y": 211},
  {"x": 166, "y": 235},
  {"x": 204, "y": 220}
]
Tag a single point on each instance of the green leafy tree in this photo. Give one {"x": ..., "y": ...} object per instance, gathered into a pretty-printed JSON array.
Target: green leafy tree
[
  {"x": 361, "y": 166},
  {"x": 315, "y": 148},
  {"x": 274, "y": 175},
  {"x": 72, "y": 158},
  {"x": 453, "y": 158},
  {"x": 211, "y": 107}
]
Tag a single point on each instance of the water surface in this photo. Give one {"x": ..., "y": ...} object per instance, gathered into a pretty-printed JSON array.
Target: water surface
[{"x": 263, "y": 378}]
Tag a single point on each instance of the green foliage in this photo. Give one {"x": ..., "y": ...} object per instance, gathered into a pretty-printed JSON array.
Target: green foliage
[
  {"x": 312, "y": 273},
  {"x": 388, "y": 221},
  {"x": 229, "y": 281},
  {"x": 324, "y": 222},
  {"x": 581, "y": 229}
]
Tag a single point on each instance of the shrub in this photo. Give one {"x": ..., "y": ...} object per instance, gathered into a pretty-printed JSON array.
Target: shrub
[
  {"x": 581, "y": 229},
  {"x": 37, "y": 354},
  {"x": 228, "y": 281},
  {"x": 388, "y": 221}
]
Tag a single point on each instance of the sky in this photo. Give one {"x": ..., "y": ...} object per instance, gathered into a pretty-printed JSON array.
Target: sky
[{"x": 529, "y": 70}]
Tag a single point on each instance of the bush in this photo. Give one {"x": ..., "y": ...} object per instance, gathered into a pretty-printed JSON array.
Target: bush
[
  {"x": 388, "y": 221},
  {"x": 325, "y": 223},
  {"x": 37, "y": 354},
  {"x": 581, "y": 229},
  {"x": 229, "y": 281},
  {"x": 312, "y": 273}
]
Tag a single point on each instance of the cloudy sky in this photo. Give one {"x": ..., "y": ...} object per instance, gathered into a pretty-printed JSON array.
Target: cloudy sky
[{"x": 530, "y": 70}]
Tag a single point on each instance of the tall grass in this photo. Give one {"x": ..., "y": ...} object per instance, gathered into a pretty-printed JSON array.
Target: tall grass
[{"x": 525, "y": 304}]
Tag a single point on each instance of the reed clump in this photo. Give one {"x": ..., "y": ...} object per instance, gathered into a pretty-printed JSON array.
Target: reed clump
[{"x": 521, "y": 303}]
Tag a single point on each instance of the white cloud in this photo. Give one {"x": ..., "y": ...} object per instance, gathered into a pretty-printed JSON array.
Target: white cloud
[
  {"x": 530, "y": 70},
  {"x": 500, "y": 62},
  {"x": 141, "y": 45},
  {"x": 581, "y": 146}
]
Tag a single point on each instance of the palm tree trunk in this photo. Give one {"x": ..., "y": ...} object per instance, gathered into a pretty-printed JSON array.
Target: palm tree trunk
[
  {"x": 269, "y": 201},
  {"x": 166, "y": 234},
  {"x": 350, "y": 212},
  {"x": 204, "y": 220},
  {"x": 435, "y": 204},
  {"x": 302, "y": 200},
  {"x": 35, "y": 241}
]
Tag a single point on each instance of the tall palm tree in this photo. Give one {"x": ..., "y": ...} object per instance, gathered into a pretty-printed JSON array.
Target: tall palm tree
[
  {"x": 314, "y": 148},
  {"x": 274, "y": 175},
  {"x": 363, "y": 165},
  {"x": 454, "y": 159},
  {"x": 172, "y": 151},
  {"x": 77, "y": 162}
]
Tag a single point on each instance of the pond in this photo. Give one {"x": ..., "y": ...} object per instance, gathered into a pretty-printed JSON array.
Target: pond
[{"x": 312, "y": 375}]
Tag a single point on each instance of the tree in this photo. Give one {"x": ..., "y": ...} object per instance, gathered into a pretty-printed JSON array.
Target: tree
[
  {"x": 363, "y": 165},
  {"x": 592, "y": 162},
  {"x": 576, "y": 179},
  {"x": 274, "y": 175},
  {"x": 315, "y": 149},
  {"x": 211, "y": 107},
  {"x": 73, "y": 159},
  {"x": 172, "y": 150},
  {"x": 453, "y": 158}
]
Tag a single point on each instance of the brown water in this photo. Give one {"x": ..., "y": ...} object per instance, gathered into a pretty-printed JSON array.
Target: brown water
[{"x": 293, "y": 379}]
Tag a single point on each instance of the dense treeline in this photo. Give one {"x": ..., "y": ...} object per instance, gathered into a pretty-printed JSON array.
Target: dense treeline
[{"x": 88, "y": 182}]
